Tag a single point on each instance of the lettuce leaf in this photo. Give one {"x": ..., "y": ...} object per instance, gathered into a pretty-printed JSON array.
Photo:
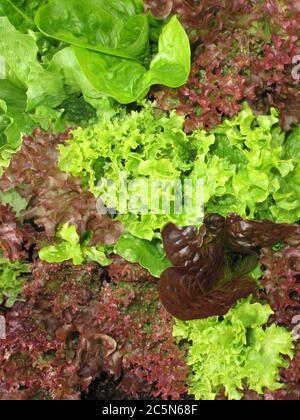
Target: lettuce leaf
[
  {"x": 127, "y": 80},
  {"x": 149, "y": 255},
  {"x": 204, "y": 280},
  {"x": 71, "y": 248},
  {"x": 116, "y": 27},
  {"x": 11, "y": 280},
  {"x": 21, "y": 12},
  {"x": 234, "y": 352},
  {"x": 42, "y": 86},
  {"x": 112, "y": 46},
  {"x": 243, "y": 164},
  {"x": 13, "y": 198}
]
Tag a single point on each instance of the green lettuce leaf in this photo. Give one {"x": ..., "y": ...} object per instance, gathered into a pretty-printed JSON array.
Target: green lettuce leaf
[
  {"x": 127, "y": 80},
  {"x": 287, "y": 197},
  {"x": 65, "y": 63},
  {"x": 234, "y": 352},
  {"x": 115, "y": 27},
  {"x": 13, "y": 198},
  {"x": 149, "y": 255},
  {"x": 72, "y": 248},
  {"x": 242, "y": 163},
  {"x": 41, "y": 85},
  {"x": 11, "y": 280},
  {"x": 21, "y": 12}
]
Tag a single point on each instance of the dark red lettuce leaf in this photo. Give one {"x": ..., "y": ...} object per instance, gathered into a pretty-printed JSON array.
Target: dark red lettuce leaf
[
  {"x": 206, "y": 279},
  {"x": 16, "y": 239},
  {"x": 55, "y": 197},
  {"x": 74, "y": 328},
  {"x": 282, "y": 291},
  {"x": 242, "y": 50},
  {"x": 281, "y": 283},
  {"x": 121, "y": 270}
]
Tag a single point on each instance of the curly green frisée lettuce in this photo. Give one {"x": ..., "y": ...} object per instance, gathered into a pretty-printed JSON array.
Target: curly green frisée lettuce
[
  {"x": 144, "y": 146},
  {"x": 242, "y": 164},
  {"x": 235, "y": 352},
  {"x": 11, "y": 280}
]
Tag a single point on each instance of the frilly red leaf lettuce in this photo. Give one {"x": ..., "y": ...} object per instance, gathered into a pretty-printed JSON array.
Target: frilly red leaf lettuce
[
  {"x": 282, "y": 291},
  {"x": 54, "y": 197},
  {"x": 262, "y": 37},
  {"x": 73, "y": 328},
  {"x": 16, "y": 239},
  {"x": 122, "y": 271},
  {"x": 205, "y": 280},
  {"x": 281, "y": 282}
]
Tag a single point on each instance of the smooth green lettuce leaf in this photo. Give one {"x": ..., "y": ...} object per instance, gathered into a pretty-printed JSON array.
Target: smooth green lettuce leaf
[
  {"x": 42, "y": 86},
  {"x": 65, "y": 63},
  {"x": 115, "y": 27},
  {"x": 149, "y": 255},
  {"x": 14, "y": 121},
  {"x": 234, "y": 352},
  {"x": 21, "y": 12},
  {"x": 127, "y": 80},
  {"x": 26, "y": 85},
  {"x": 97, "y": 254}
]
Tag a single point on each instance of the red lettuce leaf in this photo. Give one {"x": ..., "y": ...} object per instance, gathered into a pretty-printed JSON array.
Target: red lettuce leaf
[
  {"x": 16, "y": 240},
  {"x": 74, "y": 328},
  {"x": 206, "y": 280},
  {"x": 54, "y": 197},
  {"x": 262, "y": 38}
]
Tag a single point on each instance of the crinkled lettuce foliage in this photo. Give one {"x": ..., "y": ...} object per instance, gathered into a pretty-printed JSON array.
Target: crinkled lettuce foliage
[
  {"x": 59, "y": 83},
  {"x": 72, "y": 248},
  {"x": 243, "y": 162},
  {"x": 235, "y": 351},
  {"x": 11, "y": 280}
]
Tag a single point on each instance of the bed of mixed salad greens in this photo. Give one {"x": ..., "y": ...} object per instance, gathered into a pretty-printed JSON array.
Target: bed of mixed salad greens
[{"x": 95, "y": 300}]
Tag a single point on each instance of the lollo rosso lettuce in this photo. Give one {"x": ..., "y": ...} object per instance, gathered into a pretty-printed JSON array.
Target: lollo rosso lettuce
[
  {"x": 54, "y": 198},
  {"x": 263, "y": 40},
  {"x": 206, "y": 280},
  {"x": 81, "y": 328}
]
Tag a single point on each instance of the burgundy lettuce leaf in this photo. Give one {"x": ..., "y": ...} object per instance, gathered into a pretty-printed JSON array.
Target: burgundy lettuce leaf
[
  {"x": 16, "y": 239},
  {"x": 211, "y": 265},
  {"x": 74, "y": 328},
  {"x": 263, "y": 39},
  {"x": 202, "y": 20},
  {"x": 54, "y": 197},
  {"x": 281, "y": 283},
  {"x": 121, "y": 270}
]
